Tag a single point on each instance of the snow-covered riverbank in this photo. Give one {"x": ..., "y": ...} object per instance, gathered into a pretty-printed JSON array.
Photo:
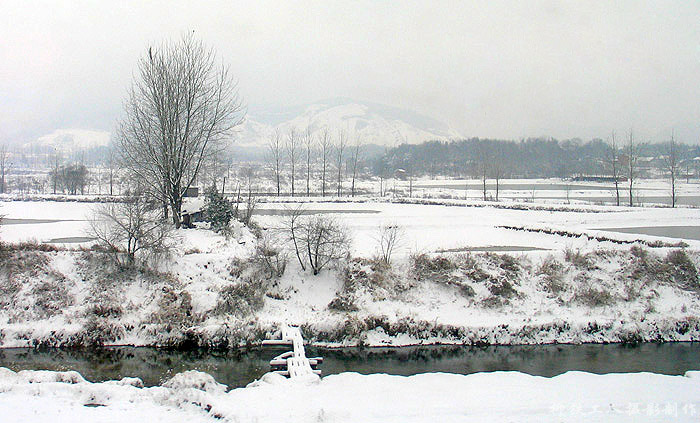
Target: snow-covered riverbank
[
  {"x": 41, "y": 396},
  {"x": 211, "y": 292}
]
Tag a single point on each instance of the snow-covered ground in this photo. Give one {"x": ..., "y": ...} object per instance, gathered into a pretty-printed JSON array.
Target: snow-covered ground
[
  {"x": 350, "y": 397},
  {"x": 566, "y": 289},
  {"x": 427, "y": 228}
]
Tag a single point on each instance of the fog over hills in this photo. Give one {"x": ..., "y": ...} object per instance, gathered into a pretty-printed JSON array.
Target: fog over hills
[
  {"x": 373, "y": 123},
  {"x": 72, "y": 139}
]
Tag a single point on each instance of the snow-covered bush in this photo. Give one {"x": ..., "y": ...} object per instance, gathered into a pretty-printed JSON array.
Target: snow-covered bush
[
  {"x": 272, "y": 258},
  {"x": 552, "y": 273},
  {"x": 388, "y": 238},
  {"x": 174, "y": 308},
  {"x": 578, "y": 259},
  {"x": 682, "y": 270},
  {"x": 447, "y": 271},
  {"x": 218, "y": 211},
  {"x": 592, "y": 296},
  {"x": 373, "y": 278},
  {"x": 247, "y": 294},
  {"x": 51, "y": 295},
  {"x": 241, "y": 299},
  {"x": 319, "y": 241},
  {"x": 131, "y": 231}
]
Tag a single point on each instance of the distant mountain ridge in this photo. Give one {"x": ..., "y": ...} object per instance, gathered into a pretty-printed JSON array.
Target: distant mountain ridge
[
  {"x": 71, "y": 139},
  {"x": 373, "y": 123}
]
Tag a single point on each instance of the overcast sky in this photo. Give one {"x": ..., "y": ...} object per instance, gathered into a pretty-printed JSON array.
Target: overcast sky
[{"x": 487, "y": 68}]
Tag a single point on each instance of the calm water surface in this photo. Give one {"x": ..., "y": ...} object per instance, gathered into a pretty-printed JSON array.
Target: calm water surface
[{"x": 239, "y": 367}]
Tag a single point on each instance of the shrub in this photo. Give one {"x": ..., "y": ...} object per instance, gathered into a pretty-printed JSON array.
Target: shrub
[
  {"x": 218, "y": 211},
  {"x": 343, "y": 303},
  {"x": 438, "y": 269},
  {"x": 579, "y": 260},
  {"x": 681, "y": 269},
  {"x": 505, "y": 262},
  {"x": 131, "y": 230},
  {"x": 51, "y": 295},
  {"x": 272, "y": 259},
  {"x": 97, "y": 333},
  {"x": 502, "y": 288},
  {"x": 319, "y": 241},
  {"x": 106, "y": 310},
  {"x": 593, "y": 297},
  {"x": 242, "y": 298},
  {"x": 552, "y": 272},
  {"x": 374, "y": 276},
  {"x": 388, "y": 237},
  {"x": 473, "y": 270},
  {"x": 174, "y": 308}
]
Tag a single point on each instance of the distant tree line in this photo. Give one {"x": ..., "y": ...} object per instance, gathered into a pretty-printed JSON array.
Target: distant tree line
[{"x": 529, "y": 158}]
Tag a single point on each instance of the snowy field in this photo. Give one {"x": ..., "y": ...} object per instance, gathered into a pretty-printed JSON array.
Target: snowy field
[
  {"x": 596, "y": 293},
  {"x": 428, "y": 228},
  {"x": 349, "y": 397}
]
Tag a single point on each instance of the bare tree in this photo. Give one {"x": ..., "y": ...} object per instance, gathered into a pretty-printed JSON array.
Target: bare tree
[
  {"x": 4, "y": 155},
  {"x": 179, "y": 111},
  {"x": 482, "y": 162},
  {"x": 612, "y": 161},
  {"x": 293, "y": 223},
  {"x": 388, "y": 237},
  {"x": 323, "y": 241},
  {"x": 131, "y": 230},
  {"x": 354, "y": 159},
  {"x": 671, "y": 164},
  {"x": 326, "y": 147},
  {"x": 632, "y": 163},
  {"x": 340, "y": 149},
  {"x": 497, "y": 165},
  {"x": 274, "y": 147},
  {"x": 308, "y": 150},
  {"x": 56, "y": 161},
  {"x": 292, "y": 147}
]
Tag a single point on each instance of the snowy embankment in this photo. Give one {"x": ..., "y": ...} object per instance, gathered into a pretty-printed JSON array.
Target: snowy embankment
[
  {"x": 214, "y": 291},
  {"x": 43, "y": 396}
]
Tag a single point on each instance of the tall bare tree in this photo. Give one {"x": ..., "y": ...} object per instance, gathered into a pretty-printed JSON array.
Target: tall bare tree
[
  {"x": 326, "y": 146},
  {"x": 340, "y": 150},
  {"x": 292, "y": 145},
  {"x": 612, "y": 161},
  {"x": 111, "y": 165},
  {"x": 497, "y": 164},
  {"x": 4, "y": 155},
  {"x": 180, "y": 109},
  {"x": 56, "y": 161},
  {"x": 274, "y": 147},
  {"x": 671, "y": 164},
  {"x": 483, "y": 159},
  {"x": 354, "y": 159},
  {"x": 308, "y": 155},
  {"x": 632, "y": 163}
]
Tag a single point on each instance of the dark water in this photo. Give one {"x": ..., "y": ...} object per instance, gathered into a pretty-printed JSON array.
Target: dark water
[
  {"x": 518, "y": 186},
  {"x": 288, "y": 212},
  {"x": 239, "y": 367},
  {"x": 682, "y": 232}
]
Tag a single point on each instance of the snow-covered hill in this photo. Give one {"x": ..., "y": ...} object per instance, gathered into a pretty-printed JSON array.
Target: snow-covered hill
[
  {"x": 372, "y": 123},
  {"x": 72, "y": 139}
]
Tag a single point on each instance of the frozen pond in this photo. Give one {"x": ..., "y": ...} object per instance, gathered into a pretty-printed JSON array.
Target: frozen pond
[
  {"x": 682, "y": 232},
  {"x": 239, "y": 367},
  {"x": 288, "y": 211}
]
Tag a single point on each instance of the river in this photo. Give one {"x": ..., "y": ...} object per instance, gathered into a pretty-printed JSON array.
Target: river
[{"x": 237, "y": 368}]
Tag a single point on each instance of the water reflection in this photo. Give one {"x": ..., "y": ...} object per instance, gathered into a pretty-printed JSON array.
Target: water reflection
[{"x": 239, "y": 367}]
